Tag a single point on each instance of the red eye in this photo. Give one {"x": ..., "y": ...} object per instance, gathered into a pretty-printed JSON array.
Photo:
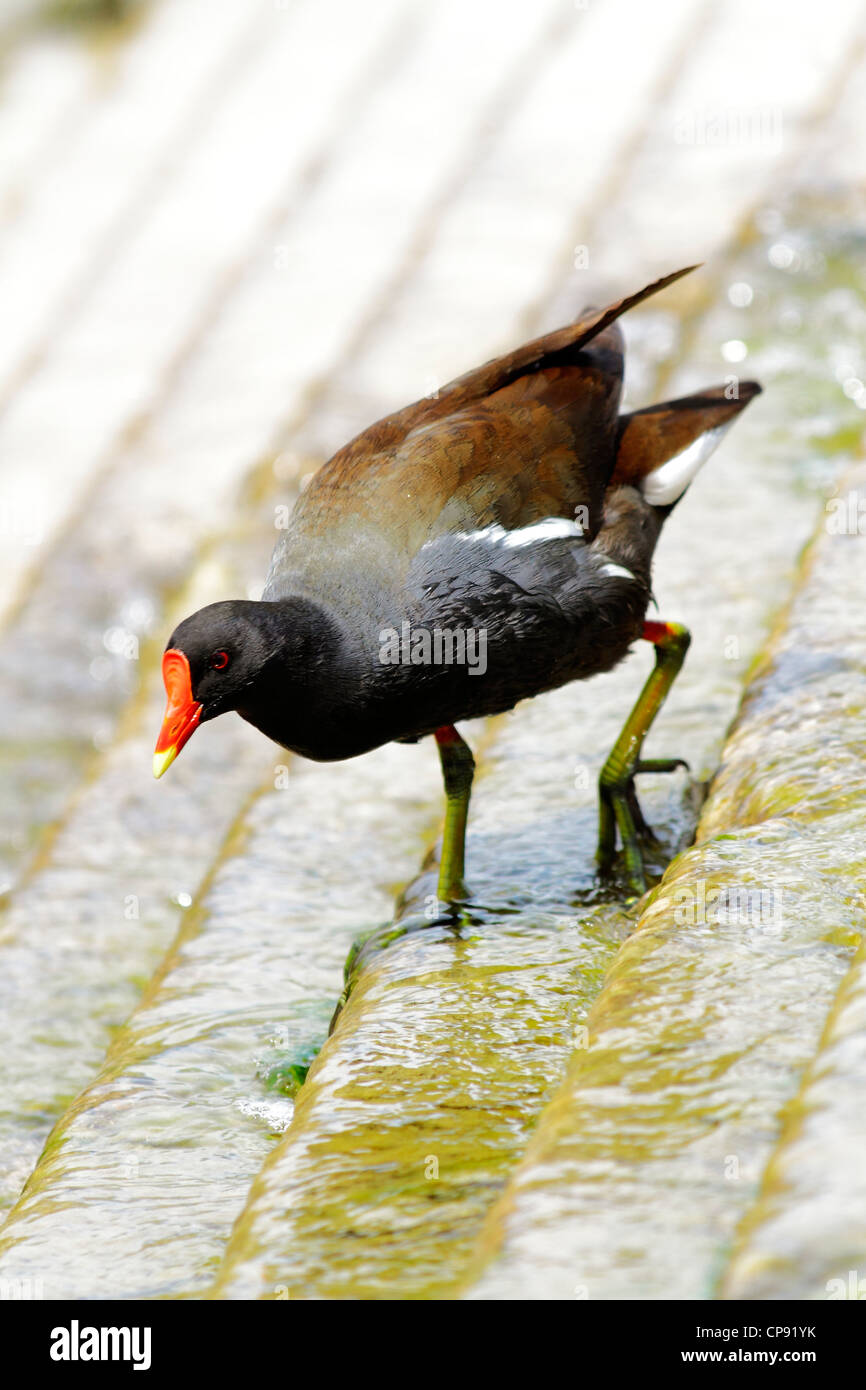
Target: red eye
[{"x": 219, "y": 661}]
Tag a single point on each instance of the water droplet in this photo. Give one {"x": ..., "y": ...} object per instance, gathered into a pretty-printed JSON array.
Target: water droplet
[
  {"x": 139, "y": 614},
  {"x": 782, "y": 256},
  {"x": 114, "y": 640},
  {"x": 277, "y": 1114},
  {"x": 100, "y": 668},
  {"x": 740, "y": 294},
  {"x": 734, "y": 350}
]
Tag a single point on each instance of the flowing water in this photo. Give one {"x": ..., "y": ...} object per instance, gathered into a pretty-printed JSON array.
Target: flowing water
[
  {"x": 419, "y": 1107},
  {"x": 560, "y": 1092}
]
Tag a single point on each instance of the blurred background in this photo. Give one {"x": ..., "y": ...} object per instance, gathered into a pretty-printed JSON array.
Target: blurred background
[{"x": 233, "y": 233}]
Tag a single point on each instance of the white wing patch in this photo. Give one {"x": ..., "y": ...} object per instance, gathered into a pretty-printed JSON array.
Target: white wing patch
[
  {"x": 550, "y": 529},
  {"x": 664, "y": 485}
]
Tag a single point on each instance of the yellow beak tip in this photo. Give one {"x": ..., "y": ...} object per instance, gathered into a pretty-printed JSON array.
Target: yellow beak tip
[{"x": 162, "y": 761}]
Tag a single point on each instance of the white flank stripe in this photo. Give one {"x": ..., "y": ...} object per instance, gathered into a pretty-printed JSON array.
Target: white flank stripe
[
  {"x": 617, "y": 572},
  {"x": 550, "y": 529}
]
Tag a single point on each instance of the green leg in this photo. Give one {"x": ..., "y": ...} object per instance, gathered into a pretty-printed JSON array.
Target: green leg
[
  {"x": 458, "y": 766},
  {"x": 618, "y": 804}
]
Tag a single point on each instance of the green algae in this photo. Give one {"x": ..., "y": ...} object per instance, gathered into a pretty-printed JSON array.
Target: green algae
[{"x": 287, "y": 1075}]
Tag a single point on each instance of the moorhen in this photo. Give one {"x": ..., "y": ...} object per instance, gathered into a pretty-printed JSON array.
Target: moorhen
[{"x": 483, "y": 545}]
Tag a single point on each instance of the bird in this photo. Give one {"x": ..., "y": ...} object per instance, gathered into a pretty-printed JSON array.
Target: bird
[{"x": 490, "y": 542}]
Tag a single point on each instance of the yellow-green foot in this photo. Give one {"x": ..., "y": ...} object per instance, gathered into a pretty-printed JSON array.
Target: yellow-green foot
[{"x": 619, "y": 810}]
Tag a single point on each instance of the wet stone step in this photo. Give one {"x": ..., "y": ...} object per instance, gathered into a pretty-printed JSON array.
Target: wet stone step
[
  {"x": 111, "y": 365},
  {"x": 150, "y": 546},
  {"x": 150, "y": 106},
  {"x": 701, "y": 153},
  {"x": 489, "y": 258},
  {"x": 181, "y": 485},
  {"x": 805, "y": 1237},
  {"x": 125, "y": 863},
  {"x": 158, "y": 1152},
  {"x": 45, "y": 87},
  {"x": 652, "y": 1152},
  {"x": 374, "y": 1148},
  {"x": 454, "y": 1041},
  {"x": 410, "y": 1120}
]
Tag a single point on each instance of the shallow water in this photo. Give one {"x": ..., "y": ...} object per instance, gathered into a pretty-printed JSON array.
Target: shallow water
[
  {"x": 377, "y": 1110},
  {"x": 159, "y": 1150},
  {"x": 652, "y": 1152},
  {"x": 184, "y": 492},
  {"x": 461, "y": 1053}
]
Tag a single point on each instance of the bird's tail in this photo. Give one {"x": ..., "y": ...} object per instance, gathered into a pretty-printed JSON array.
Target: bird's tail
[{"x": 660, "y": 449}]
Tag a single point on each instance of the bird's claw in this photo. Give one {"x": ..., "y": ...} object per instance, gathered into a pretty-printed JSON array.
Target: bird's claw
[{"x": 633, "y": 827}]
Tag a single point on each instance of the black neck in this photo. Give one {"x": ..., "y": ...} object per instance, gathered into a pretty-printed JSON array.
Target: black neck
[{"x": 302, "y": 696}]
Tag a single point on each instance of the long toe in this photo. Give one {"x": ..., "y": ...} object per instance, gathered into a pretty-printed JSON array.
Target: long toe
[
  {"x": 661, "y": 765},
  {"x": 644, "y": 830}
]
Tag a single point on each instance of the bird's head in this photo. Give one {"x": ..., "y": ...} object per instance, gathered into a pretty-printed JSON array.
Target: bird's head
[{"x": 211, "y": 659}]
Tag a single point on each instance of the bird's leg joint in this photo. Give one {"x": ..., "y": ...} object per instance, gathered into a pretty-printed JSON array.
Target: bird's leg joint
[{"x": 458, "y": 764}]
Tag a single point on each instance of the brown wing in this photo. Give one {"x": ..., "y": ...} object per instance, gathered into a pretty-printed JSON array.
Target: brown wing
[
  {"x": 551, "y": 350},
  {"x": 554, "y": 349},
  {"x": 528, "y": 436},
  {"x": 539, "y": 447}
]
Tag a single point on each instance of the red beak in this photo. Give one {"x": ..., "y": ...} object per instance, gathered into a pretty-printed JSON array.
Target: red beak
[{"x": 182, "y": 712}]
